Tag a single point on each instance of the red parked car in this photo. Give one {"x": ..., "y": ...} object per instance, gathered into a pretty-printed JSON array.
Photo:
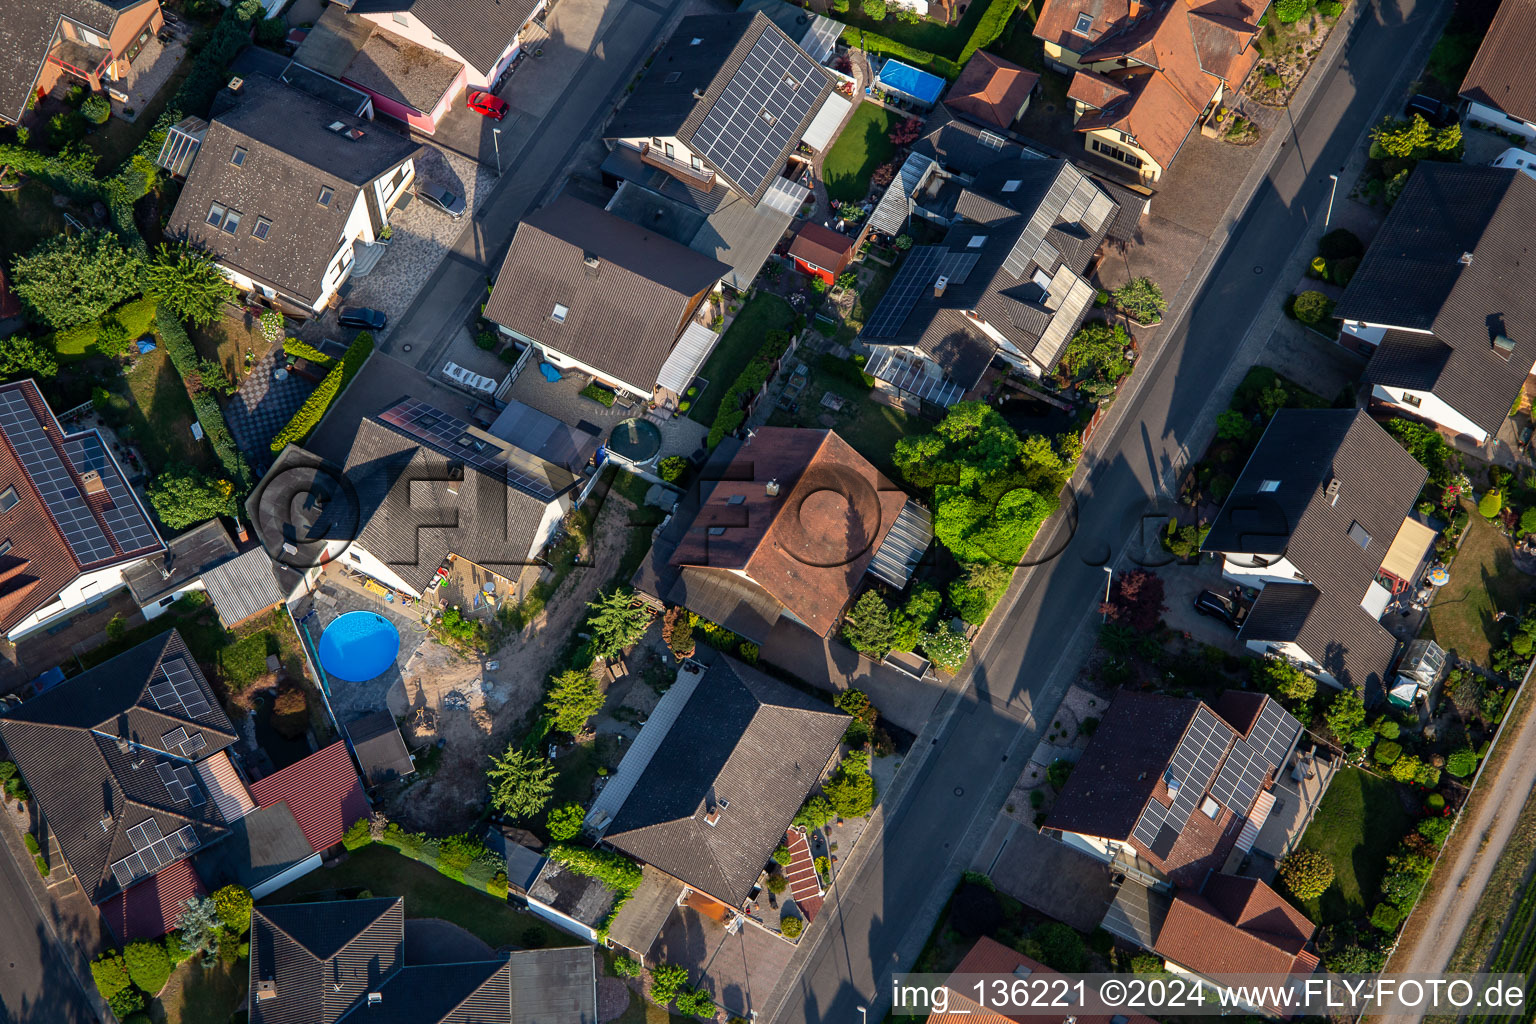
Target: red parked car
[{"x": 486, "y": 104}]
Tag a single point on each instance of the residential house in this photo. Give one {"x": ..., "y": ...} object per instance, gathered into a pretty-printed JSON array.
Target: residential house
[
  {"x": 1144, "y": 76},
  {"x": 1170, "y": 787},
  {"x": 821, "y": 252},
  {"x": 1442, "y": 303},
  {"x": 990, "y": 958},
  {"x": 602, "y": 296},
  {"x": 406, "y": 467},
  {"x": 71, "y": 527},
  {"x": 484, "y": 36},
  {"x": 1231, "y": 925},
  {"x": 1498, "y": 92},
  {"x": 414, "y": 84},
  {"x": 346, "y": 961},
  {"x": 48, "y": 43},
  {"x": 711, "y": 784},
  {"x": 723, "y": 125},
  {"x": 1009, "y": 281},
  {"x": 126, "y": 763},
  {"x": 784, "y": 526},
  {"x": 283, "y": 189},
  {"x": 1322, "y": 521},
  {"x": 577, "y": 904},
  {"x": 991, "y": 92}
]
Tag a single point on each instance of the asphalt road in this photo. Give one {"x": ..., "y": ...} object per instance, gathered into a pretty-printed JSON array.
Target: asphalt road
[
  {"x": 875, "y": 925},
  {"x": 36, "y": 986}
]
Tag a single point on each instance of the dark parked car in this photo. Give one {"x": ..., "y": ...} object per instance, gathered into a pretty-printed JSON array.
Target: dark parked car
[
  {"x": 1219, "y": 606},
  {"x": 1439, "y": 115},
  {"x": 363, "y": 319},
  {"x": 433, "y": 194}
]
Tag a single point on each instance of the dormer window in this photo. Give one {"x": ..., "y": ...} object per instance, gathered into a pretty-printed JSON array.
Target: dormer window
[
  {"x": 231, "y": 222},
  {"x": 560, "y": 312},
  {"x": 326, "y": 194},
  {"x": 8, "y": 499},
  {"x": 237, "y": 157},
  {"x": 1084, "y": 25},
  {"x": 216, "y": 214},
  {"x": 791, "y": 83}
]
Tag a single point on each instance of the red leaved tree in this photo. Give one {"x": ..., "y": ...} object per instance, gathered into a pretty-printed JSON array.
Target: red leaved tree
[{"x": 1136, "y": 600}]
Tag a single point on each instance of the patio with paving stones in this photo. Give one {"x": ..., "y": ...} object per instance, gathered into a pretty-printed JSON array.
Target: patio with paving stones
[
  {"x": 263, "y": 405},
  {"x": 150, "y": 70},
  {"x": 739, "y": 970}
]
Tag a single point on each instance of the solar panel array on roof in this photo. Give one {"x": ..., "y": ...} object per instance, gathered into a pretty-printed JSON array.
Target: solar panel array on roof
[
  {"x": 924, "y": 266},
  {"x": 185, "y": 695},
  {"x": 1190, "y": 769},
  {"x": 125, "y": 518},
  {"x": 760, "y": 111},
  {"x": 152, "y": 851},
  {"x": 1264, "y": 748},
  {"x": 450, "y": 436},
  {"x": 84, "y": 535},
  {"x": 180, "y": 783}
]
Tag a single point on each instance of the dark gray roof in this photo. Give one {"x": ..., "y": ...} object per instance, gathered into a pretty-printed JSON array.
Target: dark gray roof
[
  {"x": 579, "y": 897},
  {"x": 260, "y": 846},
  {"x": 544, "y": 437},
  {"x": 243, "y": 586},
  {"x": 291, "y": 155},
  {"x": 379, "y": 747},
  {"x": 91, "y": 748},
  {"x": 345, "y": 46},
  {"x": 958, "y": 145},
  {"x": 501, "y": 499},
  {"x": 478, "y": 30},
  {"x": 745, "y": 746},
  {"x": 322, "y": 958},
  {"x": 523, "y": 864},
  {"x": 1285, "y": 504},
  {"x": 642, "y": 917},
  {"x": 1112, "y": 781},
  {"x": 711, "y": 85},
  {"x": 1019, "y": 218},
  {"x": 1413, "y": 278},
  {"x": 624, "y": 309},
  {"x": 26, "y": 34},
  {"x": 186, "y": 558}
]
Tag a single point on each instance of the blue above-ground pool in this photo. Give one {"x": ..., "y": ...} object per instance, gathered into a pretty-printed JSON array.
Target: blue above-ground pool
[
  {"x": 913, "y": 83},
  {"x": 359, "y": 646}
]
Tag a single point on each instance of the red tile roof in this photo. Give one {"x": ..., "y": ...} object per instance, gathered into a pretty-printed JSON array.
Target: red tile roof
[
  {"x": 989, "y": 956},
  {"x": 154, "y": 906},
  {"x": 1236, "y": 926},
  {"x": 323, "y": 792},
  {"x": 990, "y": 90},
  {"x": 804, "y": 884},
  {"x": 821, "y": 246}
]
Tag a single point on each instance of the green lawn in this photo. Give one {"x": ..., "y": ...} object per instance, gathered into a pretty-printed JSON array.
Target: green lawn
[
  {"x": 871, "y": 428},
  {"x": 201, "y": 995},
  {"x": 741, "y": 341},
  {"x": 384, "y": 872},
  {"x": 27, "y": 216},
  {"x": 1361, "y": 821},
  {"x": 863, "y": 146},
  {"x": 1483, "y": 582},
  {"x": 160, "y": 414}
]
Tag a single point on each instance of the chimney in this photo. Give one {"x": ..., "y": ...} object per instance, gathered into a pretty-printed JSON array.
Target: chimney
[
  {"x": 698, "y": 94},
  {"x": 772, "y": 488},
  {"x": 939, "y": 286},
  {"x": 1466, "y": 259},
  {"x": 711, "y": 816},
  {"x": 375, "y": 998},
  {"x": 91, "y": 482},
  {"x": 1333, "y": 491},
  {"x": 266, "y": 989},
  {"x": 236, "y": 84}
]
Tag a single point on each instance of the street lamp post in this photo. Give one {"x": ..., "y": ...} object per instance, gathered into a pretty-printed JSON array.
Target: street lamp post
[
  {"x": 1109, "y": 577},
  {"x": 1331, "y": 192},
  {"x": 863, "y": 1015},
  {"x": 496, "y": 141}
]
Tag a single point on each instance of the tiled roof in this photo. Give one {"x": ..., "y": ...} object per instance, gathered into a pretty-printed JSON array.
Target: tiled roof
[
  {"x": 319, "y": 959},
  {"x": 1414, "y": 278},
  {"x": 746, "y": 748},
  {"x": 290, "y": 155},
  {"x": 154, "y": 906},
  {"x": 624, "y": 309},
  {"x": 323, "y": 792},
  {"x": 821, "y": 246},
  {"x": 990, "y": 90},
  {"x": 56, "y": 530},
  {"x": 1058, "y": 20},
  {"x": 1236, "y": 925},
  {"x": 1282, "y": 505},
  {"x": 27, "y": 32},
  {"x": 91, "y": 748},
  {"x": 960, "y": 146},
  {"x": 990, "y": 957},
  {"x": 478, "y": 30},
  {"x": 807, "y": 543},
  {"x": 243, "y": 586},
  {"x": 1499, "y": 76}
]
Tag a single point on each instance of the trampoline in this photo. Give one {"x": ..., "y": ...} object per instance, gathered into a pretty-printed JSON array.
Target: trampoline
[{"x": 359, "y": 646}]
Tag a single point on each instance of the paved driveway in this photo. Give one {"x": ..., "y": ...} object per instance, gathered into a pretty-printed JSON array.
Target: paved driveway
[{"x": 738, "y": 970}]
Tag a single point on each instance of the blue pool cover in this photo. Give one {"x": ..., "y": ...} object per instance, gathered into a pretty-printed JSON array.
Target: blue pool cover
[
  {"x": 359, "y": 646},
  {"x": 912, "y": 82}
]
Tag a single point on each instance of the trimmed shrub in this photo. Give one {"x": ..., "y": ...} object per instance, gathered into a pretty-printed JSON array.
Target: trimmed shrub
[
  {"x": 1387, "y": 752},
  {"x": 989, "y": 29},
  {"x": 233, "y": 902},
  {"x": 148, "y": 966},
  {"x": 1435, "y": 803},
  {"x": 1291, "y": 11},
  {"x": 1461, "y": 763},
  {"x": 1339, "y": 244},
  {"x": 316, "y": 405},
  {"x": 96, "y": 109},
  {"x": 1306, "y": 873},
  {"x": 564, "y": 822},
  {"x": 1490, "y": 504},
  {"x": 133, "y": 318},
  {"x": 1312, "y": 307},
  {"x": 672, "y": 468},
  {"x": 302, "y": 350},
  {"x": 178, "y": 346},
  {"x": 791, "y": 927},
  {"x": 782, "y": 856},
  {"x": 128, "y": 1001},
  {"x": 747, "y": 383},
  {"x": 599, "y": 394},
  {"x": 777, "y": 883},
  {"x": 110, "y": 974},
  {"x": 875, "y": 43},
  {"x": 1386, "y": 917}
]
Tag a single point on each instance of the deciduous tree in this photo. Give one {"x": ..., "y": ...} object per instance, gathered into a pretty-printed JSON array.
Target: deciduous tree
[{"x": 74, "y": 279}]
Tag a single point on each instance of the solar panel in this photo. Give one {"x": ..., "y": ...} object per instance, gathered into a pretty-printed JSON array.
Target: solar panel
[
  {"x": 916, "y": 275},
  {"x": 757, "y": 117},
  {"x": 189, "y": 693},
  {"x": 1252, "y": 758},
  {"x": 184, "y": 775},
  {"x": 195, "y": 794},
  {"x": 122, "y": 873},
  {"x": 173, "y": 785},
  {"x": 164, "y": 696},
  {"x": 186, "y": 837},
  {"x": 48, "y": 473},
  {"x": 196, "y": 742},
  {"x": 123, "y": 514},
  {"x": 1042, "y": 219},
  {"x": 450, "y": 436},
  {"x": 1188, "y": 772},
  {"x": 174, "y": 739}
]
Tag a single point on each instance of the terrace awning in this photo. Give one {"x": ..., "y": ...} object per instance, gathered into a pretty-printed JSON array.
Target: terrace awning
[
  {"x": 686, "y": 358},
  {"x": 1408, "y": 549}
]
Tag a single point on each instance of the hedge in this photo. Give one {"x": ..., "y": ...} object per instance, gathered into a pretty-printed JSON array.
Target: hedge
[
  {"x": 319, "y": 402},
  {"x": 989, "y": 28},
  {"x": 461, "y": 858},
  {"x": 299, "y": 350},
  {"x": 874, "y": 42},
  {"x": 184, "y": 357},
  {"x": 210, "y": 69},
  {"x": 731, "y": 415},
  {"x": 137, "y": 316}
]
